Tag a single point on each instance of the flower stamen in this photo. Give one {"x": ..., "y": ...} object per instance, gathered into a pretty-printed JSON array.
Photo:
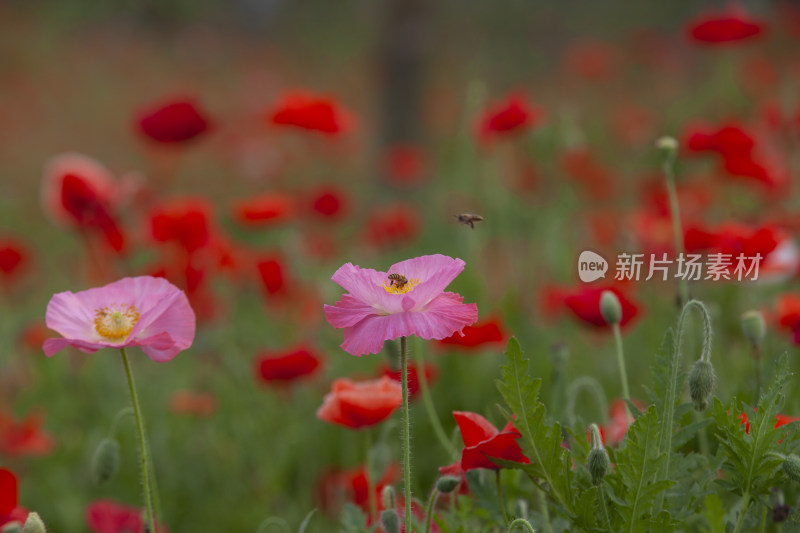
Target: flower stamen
[
  {"x": 400, "y": 285},
  {"x": 115, "y": 322}
]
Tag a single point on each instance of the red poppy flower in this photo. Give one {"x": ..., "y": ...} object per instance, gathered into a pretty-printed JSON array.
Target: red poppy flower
[
  {"x": 187, "y": 402},
  {"x": 263, "y": 209},
  {"x": 585, "y": 305},
  {"x": 780, "y": 420},
  {"x": 722, "y": 28},
  {"x": 489, "y": 331},
  {"x": 360, "y": 404},
  {"x": 337, "y": 486},
  {"x": 10, "y": 511},
  {"x": 594, "y": 61},
  {"x": 788, "y": 311},
  {"x": 328, "y": 202},
  {"x": 23, "y": 438},
  {"x": 513, "y": 115},
  {"x": 107, "y": 516},
  {"x": 184, "y": 221},
  {"x": 581, "y": 165},
  {"x": 304, "y": 110},
  {"x": 482, "y": 441},
  {"x": 14, "y": 257},
  {"x": 174, "y": 121},
  {"x": 405, "y": 164},
  {"x": 287, "y": 366},
  {"x": 33, "y": 336},
  {"x": 271, "y": 272},
  {"x": 413, "y": 376},
  {"x": 392, "y": 226},
  {"x": 456, "y": 471},
  {"x": 618, "y": 422}
]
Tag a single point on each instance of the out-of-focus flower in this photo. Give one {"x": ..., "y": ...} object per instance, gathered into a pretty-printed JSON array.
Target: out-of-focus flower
[
  {"x": 25, "y": 437},
  {"x": 337, "y": 486},
  {"x": 510, "y": 116},
  {"x": 482, "y": 441},
  {"x": 33, "y": 336},
  {"x": 788, "y": 311},
  {"x": 456, "y": 470},
  {"x": 393, "y": 225},
  {"x": 328, "y": 202},
  {"x": 376, "y": 309},
  {"x": 14, "y": 259},
  {"x": 143, "y": 311},
  {"x": 780, "y": 420},
  {"x": 172, "y": 121},
  {"x": 107, "y": 516},
  {"x": 10, "y": 511},
  {"x": 187, "y": 402},
  {"x": 288, "y": 366},
  {"x": 724, "y": 28},
  {"x": 595, "y": 61},
  {"x": 264, "y": 209},
  {"x": 488, "y": 331},
  {"x": 581, "y": 166},
  {"x": 405, "y": 164},
  {"x": 618, "y": 421},
  {"x": 271, "y": 272},
  {"x": 361, "y": 404},
  {"x": 187, "y": 222},
  {"x": 413, "y": 376},
  {"x": 301, "y": 109},
  {"x": 585, "y": 305}
]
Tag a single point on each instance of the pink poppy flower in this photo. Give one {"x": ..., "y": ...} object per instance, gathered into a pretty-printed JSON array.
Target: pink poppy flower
[
  {"x": 143, "y": 311},
  {"x": 378, "y": 309}
]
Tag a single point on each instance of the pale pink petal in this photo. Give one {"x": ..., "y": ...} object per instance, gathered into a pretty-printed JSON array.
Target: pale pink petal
[
  {"x": 160, "y": 348},
  {"x": 444, "y": 315},
  {"x": 434, "y": 272},
  {"x": 362, "y": 283},
  {"x": 68, "y": 315},
  {"x": 368, "y": 335},
  {"x": 53, "y": 346},
  {"x": 348, "y": 311}
]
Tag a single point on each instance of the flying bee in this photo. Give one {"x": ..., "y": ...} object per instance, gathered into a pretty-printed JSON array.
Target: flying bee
[
  {"x": 469, "y": 220},
  {"x": 398, "y": 280}
]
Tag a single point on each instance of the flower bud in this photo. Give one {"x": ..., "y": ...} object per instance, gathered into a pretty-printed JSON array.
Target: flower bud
[
  {"x": 105, "y": 460},
  {"x": 387, "y": 497},
  {"x": 753, "y": 327},
  {"x": 610, "y": 308},
  {"x": 447, "y": 484},
  {"x": 667, "y": 144},
  {"x": 33, "y": 524},
  {"x": 701, "y": 384},
  {"x": 792, "y": 467},
  {"x": 12, "y": 527},
  {"x": 390, "y": 521},
  {"x": 598, "y": 456}
]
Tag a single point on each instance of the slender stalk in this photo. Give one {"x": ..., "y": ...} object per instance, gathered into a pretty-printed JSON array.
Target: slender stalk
[
  {"x": 604, "y": 506},
  {"x": 406, "y": 433},
  {"x": 542, "y": 500},
  {"x": 675, "y": 213},
  {"x": 500, "y": 499},
  {"x": 144, "y": 455},
  {"x": 521, "y": 522},
  {"x": 427, "y": 400},
  {"x": 623, "y": 376},
  {"x": 373, "y": 502},
  {"x": 429, "y": 510},
  {"x": 745, "y": 506},
  {"x": 757, "y": 358}
]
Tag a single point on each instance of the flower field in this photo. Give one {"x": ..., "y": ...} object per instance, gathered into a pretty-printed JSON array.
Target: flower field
[{"x": 399, "y": 266}]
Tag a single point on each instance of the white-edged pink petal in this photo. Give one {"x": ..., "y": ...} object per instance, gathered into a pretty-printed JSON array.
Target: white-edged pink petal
[
  {"x": 348, "y": 311},
  {"x": 443, "y": 316},
  {"x": 369, "y": 335},
  {"x": 364, "y": 284},
  {"x": 434, "y": 272}
]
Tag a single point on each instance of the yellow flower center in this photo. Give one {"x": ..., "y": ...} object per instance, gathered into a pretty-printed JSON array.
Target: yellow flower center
[
  {"x": 400, "y": 288},
  {"x": 116, "y": 321}
]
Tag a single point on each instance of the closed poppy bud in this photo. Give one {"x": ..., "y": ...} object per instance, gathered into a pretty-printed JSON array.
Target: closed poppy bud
[
  {"x": 390, "y": 521},
  {"x": 610, "y": 308},
  {"x": 33, "y": 524},
  {"x": 598, "y": 457},
  {"x": 387, "y": 497},
  {"x": 667, "y": 144},
  {"x": 701, "y": 384},
  {"x": 447, "y": 484},
  {"x": 105, "y": 461},
  {"x": 753, "y": 327},
  {"x": 792, "y": 467}
]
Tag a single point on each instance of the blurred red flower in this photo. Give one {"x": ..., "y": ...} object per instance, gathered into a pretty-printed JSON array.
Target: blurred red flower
[
  {"x": 173, "y": 121},
  {"x": 482, "y": 441},
  {"x": 360, "y": 404},
  {"x": 304, "y": 110},
  {"x": 187, "y": 402},
  {"x": 788, "y": 311},
  {"x": 592, "y": 60},
  {"x": 780, "y": 420},
  {"x": 263, "y": 209},
  {"x": 328, "y": 202},
  {"x": 413, "y": 376},
  {"x": 489, "y": 331},
  {"x": 723, "y": 28},
  {"x": 25, "y": 437},
  {"x": 337, "y": 486},
  {"x": 513, "y": 115},
  {"x": 582, "y": 166},
  {"x": 33, "y": 336},
  {"x": 613, "y": 431},
  {"x": 107, "y": 516},
  {"x": 287, "y": 366},
  {"x": 455, "y": 470},
  {"x": 183, "y": 221},
  {"x": 392, "y": 226},
  {"x": 9, "y": 505},
  {"x": 14, "y": 258},
  {"x": 585, "y": 305},
  {"x": 405, "y": 164},
  {"x": 271, "y": 272}
]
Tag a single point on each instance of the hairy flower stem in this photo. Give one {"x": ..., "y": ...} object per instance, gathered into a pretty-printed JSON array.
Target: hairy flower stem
[
  {"x": 144, "y": 454},
  {"x": 675, "y": 214},
  {"x": 542, "y": 500},
  {"x": 427, "y": 400},
  {"x": 757, "y": 359},
  {"x": 406, "y": 433},
  {"x": 429, "y": 509},
  {"x": 745, "y": 506},
  {"x": 521, "y": 522},
  {"x": 373, "y": 501},
  {"x": 623, "y": 376},
  {"x": 592, "y": 386},
  {"x": 500, "y": 499}
]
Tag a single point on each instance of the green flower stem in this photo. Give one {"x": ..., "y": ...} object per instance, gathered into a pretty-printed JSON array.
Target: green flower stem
[
  {"x": 427, "y": 400},
  {"x": 592, "y": 386},
  {"x": 757, "y": 358},
  {"x": 675, "y": 212},
  {"x": 604, "y": 506},
  {"x": 373, "y": 502},
  {"x": 500, "y": 499},
  {"x": 429, "y": 509},
  {"x": 521, "y": 522},
  {"x": 144, "y": 455},
  {"x": 406, "y": 433},
  {"x": 542, "y": 500},
  {"x": 745, "y": 506},
  {"x": 623, "y": 376}
]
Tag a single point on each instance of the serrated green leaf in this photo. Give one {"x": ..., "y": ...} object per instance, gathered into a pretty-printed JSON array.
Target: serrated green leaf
[{"x": 353, "y": 519}]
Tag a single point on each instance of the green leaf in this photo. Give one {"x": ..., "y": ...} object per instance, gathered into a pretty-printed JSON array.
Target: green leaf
[{"x": 353, "y": 519}]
